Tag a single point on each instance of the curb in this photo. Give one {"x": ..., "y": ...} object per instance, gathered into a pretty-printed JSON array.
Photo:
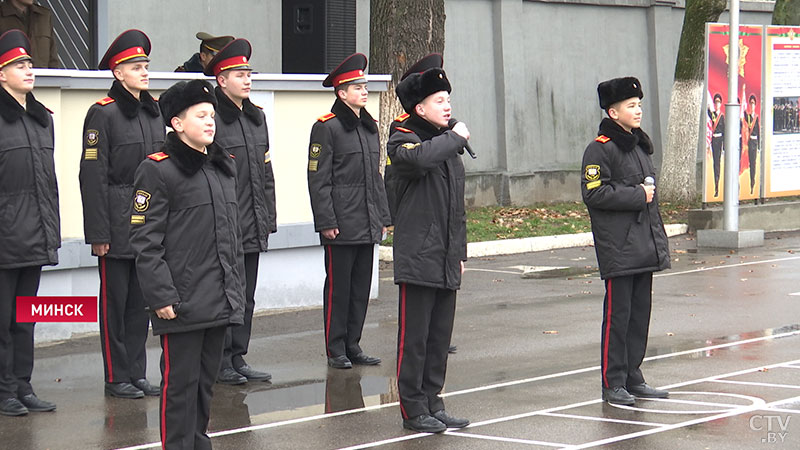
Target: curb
[{"x": 533, "y": 244}]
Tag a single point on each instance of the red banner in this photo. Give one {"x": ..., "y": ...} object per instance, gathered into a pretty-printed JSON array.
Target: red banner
[{"x": 56, "y": 309}]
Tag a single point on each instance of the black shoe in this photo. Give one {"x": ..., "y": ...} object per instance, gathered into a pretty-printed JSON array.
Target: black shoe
[
  {"x": 618, "y": 395},
  {"x": 362, "y": 359},
  {"x": 424, "y": 423},
  {"x": 253, "y": 374},
  {"x": 452, "y": 349},
  {"x": 645, "y": 391},
  {"x": 35, "y": 404},
  {"x": 123, "y": 390},
  {"x": 339, "y": 362},
  {"x": 12, "y": 407},
  {"x": 449, "y": 420},
  {"x": 230, "y": 376},
  {"x": 146, "y": 387}
]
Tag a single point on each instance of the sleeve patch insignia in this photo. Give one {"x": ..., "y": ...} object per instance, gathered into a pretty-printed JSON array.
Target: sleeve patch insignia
[
  {"x": 410, "y": 145},
  {"x": 592, "y": 172},
  {"x": 141, "y": 201},
  {"x": 90, "y": 154},
  {"x": 602, "y": 139},
  {"x": 593, "y": 184},
  {"x": 315, "y": 150},
  {"x": 313, "y": 165},
  {"x": 92, "y": 137},
  {"x": 137, "y": 219}
]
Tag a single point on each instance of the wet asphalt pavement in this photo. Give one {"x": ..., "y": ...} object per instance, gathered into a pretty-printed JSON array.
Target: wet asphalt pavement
[{"x": 724, "y": 338}]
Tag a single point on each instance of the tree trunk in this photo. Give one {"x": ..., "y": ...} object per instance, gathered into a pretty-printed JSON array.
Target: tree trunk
[
  {"x": 786, "y": 12},
  {"x": 400, "y": 33},
  {"x": 678, "y": 173}
]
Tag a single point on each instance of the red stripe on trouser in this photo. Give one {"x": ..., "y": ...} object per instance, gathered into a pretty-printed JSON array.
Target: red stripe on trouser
[
  {"x": 104, "y": 293},
  {"x": 165, "y": 344},
  {"x": 608, "y": 335},
  {"x": 330, "y": 299},
  {"x": 401, "y": 344}
]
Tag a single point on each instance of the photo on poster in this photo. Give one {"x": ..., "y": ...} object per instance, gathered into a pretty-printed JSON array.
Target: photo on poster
[{"x": 785, "y": 113}]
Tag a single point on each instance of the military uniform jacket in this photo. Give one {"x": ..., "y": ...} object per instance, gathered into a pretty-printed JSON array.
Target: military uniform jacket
[
  {"x": 29, "y": 220},
  {"x": 119, "y": 132},
  {"x": 39, "y": 29},
  {"x": 629, "y": 236},
  {"x": 344, "y": 179},
  {"x": 430, "y": 227},
  {"x": 718, "y": 132},
  {"x": 185, "y": 235},
  {"x": 243, "y": 133}
]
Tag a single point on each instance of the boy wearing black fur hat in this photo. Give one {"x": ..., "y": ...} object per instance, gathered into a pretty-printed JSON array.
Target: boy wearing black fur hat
[
  {"x": 119, "y": 132},
  {"x": 430, "y": 244},
  {"x": 348, "y": 200},
  {"x": 185, "y": 234},
  {"x": 629, "y": 236}
]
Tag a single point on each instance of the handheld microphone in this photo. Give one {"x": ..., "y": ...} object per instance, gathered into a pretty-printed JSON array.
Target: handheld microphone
[
  {"x": 648, "y": 181},
  {"x": 451, "y": 123}
]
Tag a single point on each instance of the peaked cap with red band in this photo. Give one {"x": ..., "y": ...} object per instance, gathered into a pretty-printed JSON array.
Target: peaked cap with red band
[
  {"x": 130, "y": 46},
  {"x": 432, "y": 61},
  {"x": 14, "y": 46},
  {"x": 235, "y": 55},
  {"x": 351, "y": 70}
]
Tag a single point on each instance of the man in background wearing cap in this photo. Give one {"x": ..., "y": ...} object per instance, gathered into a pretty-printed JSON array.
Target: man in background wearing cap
[
  {"x": 348, "y": 200},
  {"x": 430, "y": 244},
  {"x": 36, "y": 21},
  {"x": 31, "y": 232},
  {"x": 119, "y": 132},
  {"x": 629, "y": 236},
  {"x": 185, "y": 234},
  {"x": 242, "y": 132},
  {"x": 209, "y": 47}
]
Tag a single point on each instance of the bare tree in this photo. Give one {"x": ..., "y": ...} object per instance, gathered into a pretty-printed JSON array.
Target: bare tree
[
  {"x": 401, "y": 32},
  {"x": 786, "y": 12},
  {"x": 678, "y": 171}
]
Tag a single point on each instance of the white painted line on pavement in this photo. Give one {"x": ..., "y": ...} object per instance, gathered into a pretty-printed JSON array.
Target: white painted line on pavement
[
  {"x": 505, "y": 439},
  {"x": 407, "y": 437},
  {"x": 725, "y": 266},
  {"x": 605, "y": 419},
  {"x": 754, "y": 383},
  {"x": 467, "y": 269},
  {"x": 783, "y": 410}
]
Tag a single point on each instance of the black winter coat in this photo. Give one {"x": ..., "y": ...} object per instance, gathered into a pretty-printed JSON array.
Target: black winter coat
[
  {"x": 344, "y": 180},
  {"x": 119, "y": 132},
  {"x": 30, "y": 230},
  {"x": 629, "y": 236},
  {"x": 430, "y": 226},
  {"x": 243, "y": 133},
  {"x": 185, "y": 234}
]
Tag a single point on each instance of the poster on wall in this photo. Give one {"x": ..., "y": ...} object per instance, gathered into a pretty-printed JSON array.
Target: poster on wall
[
  {"x": 749, "y": 95},
  {"x": 782, "y": 103}
]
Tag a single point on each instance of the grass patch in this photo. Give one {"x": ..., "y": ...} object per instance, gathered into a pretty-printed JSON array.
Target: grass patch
[{"x": 491, "y": 223}]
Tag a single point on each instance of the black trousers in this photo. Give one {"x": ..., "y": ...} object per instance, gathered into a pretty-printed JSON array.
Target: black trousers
[
  {"x": 716, "y": 153},
  {"x": 751, "y": 157},
  {"x": 123, "y": 321},
  {"x": 348, "y": 270},
  {"x": 425, "y": 326},
  {"x": 237, "y": 339},
  {"x": 16, "y": 339},
  {"x": 626, "y": 322},
  {"x": 189, "y": 365}
]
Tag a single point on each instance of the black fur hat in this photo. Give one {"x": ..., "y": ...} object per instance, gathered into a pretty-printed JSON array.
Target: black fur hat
[
  {"x": 183, "y": 95},
  {"x": 618, "y": 89},
  {"x": 417, "y": 86}
]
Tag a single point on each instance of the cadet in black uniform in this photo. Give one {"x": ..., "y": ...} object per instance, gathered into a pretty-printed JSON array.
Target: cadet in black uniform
[
  {"x": 753, "y": 138},
  {"x": 185, "y": 234},
  {"x": 119, "y": 132},
  {"x": 242, "y": 132},
  {"x": 717, "y": 138},
  {"x": 31, "y": 233},
  {"x": 430, "y": 244},
  {"x": 348, "y": 199},
  {"x": 629, "y": 236},
  {"x": 209, "y": 47}
]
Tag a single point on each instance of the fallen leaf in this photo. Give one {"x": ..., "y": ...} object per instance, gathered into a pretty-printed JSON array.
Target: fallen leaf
[
  {"x": 550, "y": 332},
  {"x": 670, "y": 333}
]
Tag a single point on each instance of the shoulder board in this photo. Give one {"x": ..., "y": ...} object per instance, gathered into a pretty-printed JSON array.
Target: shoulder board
[
  {"x": 404, "y": 130},
  {"x": 158, "y": 156},
  {"x": 105, "y": 101},
  {"x": 259, "y": 107},
  {"x": 402, "y": 117},
  {"x": 326, "y": 117},
  {"x": 602, "y": 139},
  {"x": 49, "y": 110}
]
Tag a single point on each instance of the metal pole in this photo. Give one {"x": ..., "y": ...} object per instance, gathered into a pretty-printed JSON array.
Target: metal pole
[{"x": 732, "y": 127}]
